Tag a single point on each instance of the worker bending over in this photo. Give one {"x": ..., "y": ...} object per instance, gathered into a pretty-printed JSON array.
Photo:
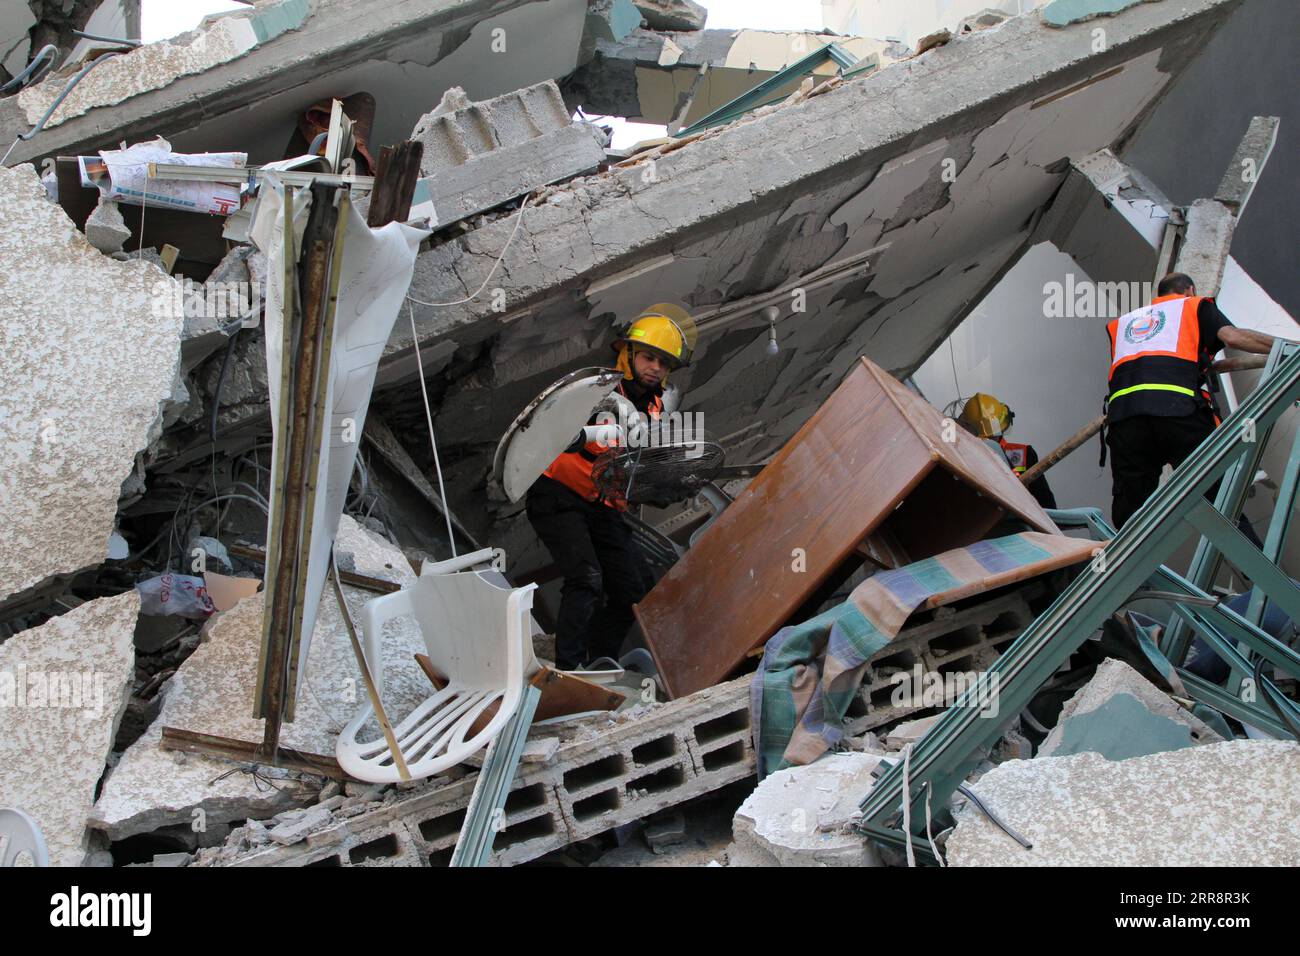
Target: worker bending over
[
  {"x": 585, "y": 534},
  {"x": 1159, "y": 406},
  {"x": 983, "y": 415}
]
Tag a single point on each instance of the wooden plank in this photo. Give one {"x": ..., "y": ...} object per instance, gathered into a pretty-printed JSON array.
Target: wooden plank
[
  {"x": 350, "y": 578},
  {"x": 562, "y": 694},
  {"x": 874, "y": 456},
  {"x": 1067, "y": 446},
  {"x": 395, "y": 179},
  {"x": 242, "y": 751}
]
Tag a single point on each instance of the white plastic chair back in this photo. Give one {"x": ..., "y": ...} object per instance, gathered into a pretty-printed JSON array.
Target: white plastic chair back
[
  {"x": 18, "y": 833},
  {"x": 479, "y": 636}
]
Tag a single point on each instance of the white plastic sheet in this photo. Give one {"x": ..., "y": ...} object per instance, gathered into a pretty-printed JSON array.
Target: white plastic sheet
[
  {"x": 376, "y": 272},
  {"x": 129, "y": 182}
]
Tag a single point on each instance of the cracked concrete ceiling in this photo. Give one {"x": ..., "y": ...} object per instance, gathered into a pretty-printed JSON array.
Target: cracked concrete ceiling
[{"x": 893, "y": 245}]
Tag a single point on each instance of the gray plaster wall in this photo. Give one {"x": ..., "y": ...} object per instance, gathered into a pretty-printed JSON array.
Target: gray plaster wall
[
  {"x": 1247, "y": 69},
  {"x": 1050, "y": 371}
]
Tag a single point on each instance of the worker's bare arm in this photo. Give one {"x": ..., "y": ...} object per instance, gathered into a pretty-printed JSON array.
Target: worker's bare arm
[{"x": 1246, "y": 340}]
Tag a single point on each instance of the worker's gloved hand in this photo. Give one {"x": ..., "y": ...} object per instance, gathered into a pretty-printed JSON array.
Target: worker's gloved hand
[{"x": 609, "y": 434}]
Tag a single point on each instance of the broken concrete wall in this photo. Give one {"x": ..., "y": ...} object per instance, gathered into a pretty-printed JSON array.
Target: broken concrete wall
[
  {"x": 405, "y": 55},
  {"x": 1120, "y": 714},
  {"x": 672, "y": 14},
  {"x": 73, "y": 413},
  {"x": 909, "y": 20},
  {"x": 804, "y": 816},
  {"x": 679, "y": 78},
  {"x": 156, "y": 65},
  {"x": 892, "y": 234},
  {"x": 480, "y": 155},
  {"x": 1235, "y": 803},
  {"x": 212, "y": 693},
  {"x": 63, "y": 688}
]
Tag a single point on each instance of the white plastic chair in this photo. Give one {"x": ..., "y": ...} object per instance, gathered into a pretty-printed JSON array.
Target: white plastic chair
[
  {"x": 477, "y": 634},
  {"x": 19, "y": 832}
]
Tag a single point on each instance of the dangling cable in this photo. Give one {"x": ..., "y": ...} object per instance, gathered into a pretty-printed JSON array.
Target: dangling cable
[
  {"x": 428, "y": 415},
  {"x": 519, "y": 221},
  {"x": 907, "y": 803},
  {"x": 929, "y": 831}
]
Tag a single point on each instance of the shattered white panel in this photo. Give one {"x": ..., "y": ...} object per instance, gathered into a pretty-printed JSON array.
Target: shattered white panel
[
  {"x": 374, "y": 276},
  {"x": 212, "y": 693},
  {"x": 73, "y": 413},
  {"x": 1227, "y": 804},
  {"x": 803, "y": 816},
  {"x": 63, "y": 688}
]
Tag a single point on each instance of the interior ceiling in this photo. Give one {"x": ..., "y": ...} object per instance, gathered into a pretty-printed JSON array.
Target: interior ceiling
[{"x": 940, "y": 246}]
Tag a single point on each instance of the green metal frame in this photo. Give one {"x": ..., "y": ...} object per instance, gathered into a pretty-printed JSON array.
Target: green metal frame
[
  {"x": 955, "y": 745},
  {"x": 765, "y": 92},
  {"x": 1230, "y": 500},
  {"x": 486, "y": 812}
]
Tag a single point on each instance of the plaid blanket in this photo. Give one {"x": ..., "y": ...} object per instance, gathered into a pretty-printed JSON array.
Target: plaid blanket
[{"x": 810, "y": 671}]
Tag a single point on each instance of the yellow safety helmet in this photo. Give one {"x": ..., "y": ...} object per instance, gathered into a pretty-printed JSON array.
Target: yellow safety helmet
[
  {"x": 662, "y": 328},
  {"x": 985, "y": 416}
]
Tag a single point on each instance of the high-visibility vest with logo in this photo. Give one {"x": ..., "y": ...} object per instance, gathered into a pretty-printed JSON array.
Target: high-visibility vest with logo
[
  {"x": 1017, "y": 455},
  {"x": 1155, "y": 360},
  {"x": 573, "y": 469}
]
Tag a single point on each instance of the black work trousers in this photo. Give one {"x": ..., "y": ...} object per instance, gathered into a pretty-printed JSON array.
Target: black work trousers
[
  {"x": 594, "y": 552},
  {"x": 1141, "y": 446}
]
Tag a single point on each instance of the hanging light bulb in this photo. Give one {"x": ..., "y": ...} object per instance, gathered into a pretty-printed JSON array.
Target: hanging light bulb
[{"x": 771, "y": 313}]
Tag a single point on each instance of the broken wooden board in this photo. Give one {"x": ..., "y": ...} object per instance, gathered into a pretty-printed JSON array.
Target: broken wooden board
[
  {"x": 875, "y": 457},
  {"x": 563, "y": 694}
]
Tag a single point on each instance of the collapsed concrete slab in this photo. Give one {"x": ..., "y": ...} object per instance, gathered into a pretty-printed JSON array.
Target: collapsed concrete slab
[
  {"x": 1120, "y": 714},
  {"x": 73, "y": 414},
  {"x": 63, "y": 689},
  {"x": 894, "y": 202},
  {"x": 672, "y": 14},
  {"x": 1235, "y": 803},
  {"x": 106, "y": 230},
  {"x": 405, "y": 55},
  {"x": 678, "y": 78},
  {"x": 802, "y": 816},
  {"x": 479, "y": 155},
  {"x": 159, "y": 64},
  {"x": 212, "y": 693}
]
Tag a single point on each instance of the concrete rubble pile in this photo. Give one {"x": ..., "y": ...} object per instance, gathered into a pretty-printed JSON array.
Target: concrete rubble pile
[{"x": 885, "y": 185}]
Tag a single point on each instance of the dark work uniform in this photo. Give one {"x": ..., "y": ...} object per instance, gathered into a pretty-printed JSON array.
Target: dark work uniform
[
  {"x": 594, "y": 552},
  {"x": 1149, "y": 429},
  {"x": 1021, "y": 458}
]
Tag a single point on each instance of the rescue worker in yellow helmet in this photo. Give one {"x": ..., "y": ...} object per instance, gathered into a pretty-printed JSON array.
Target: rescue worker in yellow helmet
[
  {"x": 988, "y": 418},
  {"x": 585, "y": 534}
]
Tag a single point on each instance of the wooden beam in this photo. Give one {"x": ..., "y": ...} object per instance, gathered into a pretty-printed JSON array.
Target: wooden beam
[
  {"x": 350, "y": 578},
  {"x": 395, "y": 179},
  {"x": 242, "y": 751}
]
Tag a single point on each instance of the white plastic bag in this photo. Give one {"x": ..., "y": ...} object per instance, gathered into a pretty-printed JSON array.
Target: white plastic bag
[{"x": 178, "y": 594}]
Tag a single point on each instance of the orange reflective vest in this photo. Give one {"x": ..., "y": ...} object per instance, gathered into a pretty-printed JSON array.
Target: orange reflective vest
[
  {"x": 1155, "y": 360},
  {"x": 573, "y": 469}
]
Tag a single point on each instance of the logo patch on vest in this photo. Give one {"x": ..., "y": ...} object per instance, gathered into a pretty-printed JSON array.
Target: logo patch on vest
[{"x": 1144, "y": 327}]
